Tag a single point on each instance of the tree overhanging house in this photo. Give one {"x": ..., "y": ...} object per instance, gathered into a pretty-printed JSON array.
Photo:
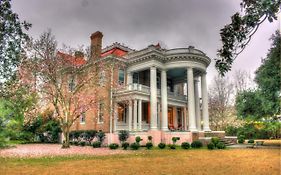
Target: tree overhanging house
[{"x": 153, "y": 91}]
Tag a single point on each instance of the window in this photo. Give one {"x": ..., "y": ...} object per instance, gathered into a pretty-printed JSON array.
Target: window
[
  {"x": 102, "y": 78},
  {"x": 100, "y": 112},
  {"x": 121, "y": 76},
  {"x": 83, "y": 118},
  {"x": 136, "y": 77},
  {"x": 71, "y": 83}
]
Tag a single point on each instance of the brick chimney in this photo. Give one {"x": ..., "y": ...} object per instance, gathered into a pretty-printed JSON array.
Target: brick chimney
[{"x": 96, "y": 44}]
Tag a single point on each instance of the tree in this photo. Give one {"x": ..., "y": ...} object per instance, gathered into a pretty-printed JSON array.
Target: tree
[
  {"x": 68, "y": 84},
  {"x": 242, "y": 81},
  {"x": 237, "y": 35},
  {"x": 264, "y": 102},
  {"x": 12, "y": 37},
  {"x": 220, "y": 105}
]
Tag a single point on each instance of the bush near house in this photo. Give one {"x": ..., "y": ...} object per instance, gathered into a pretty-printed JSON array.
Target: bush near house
[
  {"x": 123, "y": 135},
  {"x": 241, "y": 139},
  {"x": 161, "y": 145},
  {"x": 113, "y": 146},
  {"x": 215, "y": 140},
  {"x": 172, "y": 146},
  {"x": 96, "y": 144},
  {"x": 185, "y": 145},
  {"x": 251, "y": 141},
  {"x": 149, "y": 145},
  {"x": 135, "y": 146},
  {"x": 101, "y": 136},
  {"x": 221, "y": 145},
  {"x": 196, "y": 144},
  {"x": 125, "y": 145},
  {"x": 210, "y": 146},
  {"x": 138, "y": 139}
]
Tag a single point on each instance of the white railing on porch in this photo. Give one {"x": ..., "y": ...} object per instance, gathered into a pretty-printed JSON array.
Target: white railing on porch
[{"x": 124, "y": 126}]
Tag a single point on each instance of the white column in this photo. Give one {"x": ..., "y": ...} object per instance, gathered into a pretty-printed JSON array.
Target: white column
[
  {"x": 164, "y": 101},
  {"x": 130, "y": 116},
  {"x": 197, "y": 103},
  {"x": 191, "y": 104},
  {"x": 205, "y": 111},
  {"x": 129, "y": 80},
  {"x": 140, "y": 114},
  {"x": 158, "y": 115},
  {"x": 153, "y": 98},
  {"x": 135, "y": 114}
]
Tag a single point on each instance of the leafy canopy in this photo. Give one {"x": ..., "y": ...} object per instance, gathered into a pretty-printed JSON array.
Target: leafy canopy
[
  {"x": 12, "y": 37},
  {"x": 236, "y": 35}
]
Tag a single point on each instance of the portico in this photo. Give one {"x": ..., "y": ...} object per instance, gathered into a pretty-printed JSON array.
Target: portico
[{"x": 176, "y": 80}]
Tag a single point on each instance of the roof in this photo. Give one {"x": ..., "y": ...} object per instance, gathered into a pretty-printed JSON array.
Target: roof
[
  {"x": 77, "y": 61},
  {"x": 115, "y": 51}
]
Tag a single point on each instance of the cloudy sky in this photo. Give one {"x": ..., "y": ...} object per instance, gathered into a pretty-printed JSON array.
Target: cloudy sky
[{"x": 139, "y": 23}]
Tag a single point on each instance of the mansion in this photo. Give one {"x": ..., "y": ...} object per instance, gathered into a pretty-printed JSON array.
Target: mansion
[{"x": 161, "y": 92}]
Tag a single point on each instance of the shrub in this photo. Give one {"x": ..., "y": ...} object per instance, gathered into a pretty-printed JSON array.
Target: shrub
[
  {"x": 161, "y": 145},
  {"x": 135, "y": 146},
  {"x": 196, "y": 144},
  {"x": 172, "y": 146},
  {"x": 82, "y": 143},
  {"x": 76, "y": 143},
  {"x": 101, "y": 136},
  {"x": 149, "y": 138},
  {"x": 185, "y": 145},
  {"x": 251, "y": 141},
  {"x": 125, "y": 145},
  {"x": 175, "y": 139},
  {"x": 211, "y": 146},
  {"x": 96, "y": 144},
  {"x": 241, "y": 139},
  {"x": 123, "y": 135},
  {"x": 221, "y": 145},
  {"x": 215, "y": 140},
  {"x": 138, "y": 139},
  {"x": 149, "y": 145},
  {"x": 113, "y": 146}
]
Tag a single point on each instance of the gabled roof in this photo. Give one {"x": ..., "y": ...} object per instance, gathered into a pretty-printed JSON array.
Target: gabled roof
[{"x": 76, "y": 61}]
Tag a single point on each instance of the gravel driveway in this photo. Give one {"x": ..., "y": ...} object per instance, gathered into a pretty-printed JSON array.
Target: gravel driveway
[{"x": 40, "y": 150}]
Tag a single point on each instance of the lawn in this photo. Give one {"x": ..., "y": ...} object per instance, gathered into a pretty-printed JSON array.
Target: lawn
[{"x": 202, "y": 161}]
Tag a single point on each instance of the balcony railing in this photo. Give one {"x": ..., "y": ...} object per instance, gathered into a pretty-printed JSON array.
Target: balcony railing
[{"x": 146, "y": 90}]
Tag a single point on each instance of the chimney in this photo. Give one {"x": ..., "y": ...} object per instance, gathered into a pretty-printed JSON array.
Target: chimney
[{"x": 96, "y": 44}]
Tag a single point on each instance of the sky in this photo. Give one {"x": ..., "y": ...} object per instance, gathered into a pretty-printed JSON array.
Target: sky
[{"x": 139, "y": 23}]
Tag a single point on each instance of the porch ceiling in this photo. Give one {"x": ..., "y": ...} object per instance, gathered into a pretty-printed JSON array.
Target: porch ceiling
[{"x": 180, "y": 73}]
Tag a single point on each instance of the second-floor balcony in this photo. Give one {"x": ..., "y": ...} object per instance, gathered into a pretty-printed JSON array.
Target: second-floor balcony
[{"x": 140, "y": 89}]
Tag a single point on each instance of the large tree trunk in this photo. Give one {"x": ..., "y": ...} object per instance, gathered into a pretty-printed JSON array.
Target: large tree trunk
[{"x": 65, "y": 142}]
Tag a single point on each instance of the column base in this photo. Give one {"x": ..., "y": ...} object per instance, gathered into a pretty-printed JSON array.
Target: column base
[
  {"x": 164, "y": 129},
  {"x": 193, "y": 129},
  {"x": 153, "y": 128},
  {"x": 207, "y": 129}
]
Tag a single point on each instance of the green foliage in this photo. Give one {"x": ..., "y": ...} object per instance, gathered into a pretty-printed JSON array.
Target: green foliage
[
  {"x": 251, "y": 141},
  {"x": 96, "y": 144},
  {"x": 161, "y": 145},
  {"x": 231, "y": 130},
  {"x": 135, "y": 146},
  {"x": 12, "y": 38},
  {"x": 113, "y": 146},
  {"x": 125, "y": 145},
  {"x": 123, "y": 135},
  {"x": 185, "y": 145},
  {"x": 175, "y": 139},
  {"x": 264, "y": 102},
  {"x": 149, "y": 138},
  {"x": 196, "y": 144},
  {"x": 241, "y": 139},
  {"x": 215, "y": 140},
  {"x": 236, "y": 35},
  {"x": 172, "y": 146},
  {"x": 82, "y": 143},
  {"x": 221, "y": 145},
  {"x": 138, "y": 139},
  {"x": 149, "y": 145},
  {"x": 101, "y": 136},
  {"x": 211, "y": 146}
]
